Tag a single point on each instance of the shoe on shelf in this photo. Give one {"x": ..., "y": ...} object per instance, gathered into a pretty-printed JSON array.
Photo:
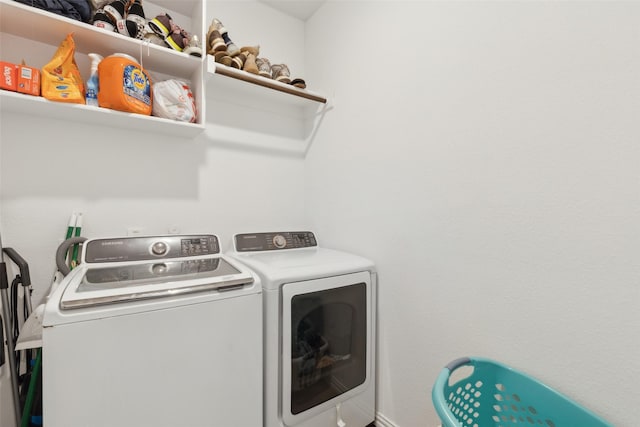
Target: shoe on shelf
[
  {"x": 232, "y": 49},
  {"x": 217, "y": 25},
  {"x": 117, "y": 10},
  {"x": 215, "y": 42},
  {"x": 238, "y": 60},
  {"x": 162, "y": 25},
  {"x": 254, "y": 50},
  {"x": 299, "y": 83},
  {"x": 193, "y": 46},
  {"x": 102, "y": 20},
  {"x": 226, "y": 60},
  {"x": 280, "y": 73},
  {"x": 264, "y": 67},
  {"x": 178, "y": 39},
  {"x": 136, "y": 16},
  {"x": 136, "y": 13},
  {"x": 153, "y": 38},
  {"x": 219, "y": 55},
  {"x": 250, "y": 53},
  {"x": 250, "y": 63},
  {"x": 127, "y": 28}
]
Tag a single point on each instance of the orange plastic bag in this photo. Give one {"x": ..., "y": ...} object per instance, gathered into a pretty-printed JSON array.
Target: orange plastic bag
[{"x": 61, "y": 79}]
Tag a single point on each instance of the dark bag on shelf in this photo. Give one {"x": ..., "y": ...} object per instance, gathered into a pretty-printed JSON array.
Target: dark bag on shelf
[{"x": 79, "y": 10}]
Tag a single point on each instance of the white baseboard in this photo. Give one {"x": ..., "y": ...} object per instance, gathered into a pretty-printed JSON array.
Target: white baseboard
[{"x": 382, "y": 421}]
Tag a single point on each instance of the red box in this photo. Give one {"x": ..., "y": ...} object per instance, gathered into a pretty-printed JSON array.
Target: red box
[
  {"x": 8, "y": 76},
  {"x": 28, "y": 80}
]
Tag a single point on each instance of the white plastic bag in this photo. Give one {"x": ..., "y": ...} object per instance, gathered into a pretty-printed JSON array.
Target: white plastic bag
[{"x": 172, "y": 99}]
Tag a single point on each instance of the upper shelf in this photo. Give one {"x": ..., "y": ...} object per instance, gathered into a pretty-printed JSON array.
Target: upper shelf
[
  {"x": 33, "y": 24},
  {"x": 20, "y": 21},
  {"x": 43, "y": 26},
  {"x": 257, "y": 85}
]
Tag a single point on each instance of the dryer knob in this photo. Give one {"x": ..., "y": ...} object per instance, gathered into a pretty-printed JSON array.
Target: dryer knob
[
  {"x": 159, "y": 248},
  {"x": 279, "y": 241},
  {"x": 159, "y": 269}
]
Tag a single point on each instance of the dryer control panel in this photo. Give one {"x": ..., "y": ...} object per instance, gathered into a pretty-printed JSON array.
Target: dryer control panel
[
  {"x": 124, "y": 249},
  {"x": 253, "y": 242}
]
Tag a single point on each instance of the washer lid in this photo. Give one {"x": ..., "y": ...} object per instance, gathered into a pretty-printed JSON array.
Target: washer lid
[
  {"x": 277, "y": 267},
  {"x": 123, "y": 282}
]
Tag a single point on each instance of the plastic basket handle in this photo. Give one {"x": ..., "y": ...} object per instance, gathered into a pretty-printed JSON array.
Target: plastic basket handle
[{"x": 455, "y": 364}]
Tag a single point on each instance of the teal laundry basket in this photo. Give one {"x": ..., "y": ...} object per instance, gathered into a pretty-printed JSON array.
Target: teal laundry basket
[{"x": 489, "y": 394}]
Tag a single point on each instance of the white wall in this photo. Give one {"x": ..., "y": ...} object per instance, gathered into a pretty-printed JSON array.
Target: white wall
[
  {"x": 124, "y": 179},
  {"x": 121, "y": 179},
  {"x": 485, "y": 155}
]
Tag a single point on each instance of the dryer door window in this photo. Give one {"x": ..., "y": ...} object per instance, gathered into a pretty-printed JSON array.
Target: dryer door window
[{"x": 326, "y": 342}]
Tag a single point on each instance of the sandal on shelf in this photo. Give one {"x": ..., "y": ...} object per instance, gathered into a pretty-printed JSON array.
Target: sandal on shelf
[
  {"x": 102, "y": 20},
  {"x": 250, "y": 64},
  {"x": 280, "y": 73},
  {"x": 152, "y": 37},
  {"x": 299, "y": 83},
  {"x": 226, "y": 60},
  {"x": 162, "y": 25},
  {"x": 193, "y": 46},
  {"x": 117, "y": 10},
  {"x": 215, "y": 42},
  {"x": 264, "y": 67},
  {"x": 254, "y": 50},
  {"x": 127, "y": 28},
  {"x": 219, "y": 55},
  {"x": 133, "y": 24},
  {"x": 232, "y": 49},
  {"x": 177, "y": 40},
  {"x": 238, "y": 60}
]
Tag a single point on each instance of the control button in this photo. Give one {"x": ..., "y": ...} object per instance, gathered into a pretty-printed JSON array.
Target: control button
[
  {"x": 279, "y": 241},
  {"x": 159, "y": 248},
  {"x": 159, "y": 268}
]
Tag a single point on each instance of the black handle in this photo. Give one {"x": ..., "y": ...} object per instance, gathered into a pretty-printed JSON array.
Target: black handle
[
  {"x": 1, "y": 342},
  {"x": 21, "y": 263},
  {"x": 4, "y": 281}
]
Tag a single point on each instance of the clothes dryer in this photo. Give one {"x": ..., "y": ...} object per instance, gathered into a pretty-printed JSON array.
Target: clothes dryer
[
  {"x": 154, "y": 331},
  {"x": 319, "y": 330}
]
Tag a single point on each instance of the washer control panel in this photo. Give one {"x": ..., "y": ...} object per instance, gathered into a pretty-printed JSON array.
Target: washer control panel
[
  {"x": 124, "y": 249},
  {"x": 254, "y": 242}
]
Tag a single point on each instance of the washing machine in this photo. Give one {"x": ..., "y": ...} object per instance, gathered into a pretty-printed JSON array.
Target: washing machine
[
  {"x": 154, "y": 331},
  {"x": 319, "y": 330}
]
